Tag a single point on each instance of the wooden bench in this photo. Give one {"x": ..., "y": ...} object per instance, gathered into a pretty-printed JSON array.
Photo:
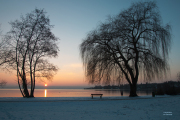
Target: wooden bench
[{"x": 97, "y": 95}]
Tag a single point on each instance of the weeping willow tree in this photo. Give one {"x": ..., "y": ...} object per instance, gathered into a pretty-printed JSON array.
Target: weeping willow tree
[{"x": 131, "y": 43}]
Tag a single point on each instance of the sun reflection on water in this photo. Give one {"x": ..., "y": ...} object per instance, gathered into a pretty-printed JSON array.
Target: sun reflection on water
[{"x": 45, "y": 93}]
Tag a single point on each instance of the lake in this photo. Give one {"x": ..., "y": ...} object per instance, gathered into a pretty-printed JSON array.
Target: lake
[{"x": 70, "y": 92}]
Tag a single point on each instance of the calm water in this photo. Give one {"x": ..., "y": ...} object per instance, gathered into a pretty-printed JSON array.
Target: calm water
[{"x": 68, "y": 92}]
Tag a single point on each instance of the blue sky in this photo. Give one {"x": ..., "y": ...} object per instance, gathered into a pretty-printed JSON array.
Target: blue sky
[{"x": 72, "y": 20}]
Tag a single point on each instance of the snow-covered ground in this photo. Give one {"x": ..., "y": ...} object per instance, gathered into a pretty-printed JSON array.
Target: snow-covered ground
[{"x": 107, "y": 108}]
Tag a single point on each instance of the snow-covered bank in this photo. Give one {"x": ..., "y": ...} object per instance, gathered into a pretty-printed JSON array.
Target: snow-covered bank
[
  {"x": 59, "y": 99},
  {"x": 114, "y": 108}
]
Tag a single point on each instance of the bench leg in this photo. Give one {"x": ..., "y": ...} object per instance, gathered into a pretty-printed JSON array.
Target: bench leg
[
  {"x": 92, "y": 96},
  {"x": 101, "y": 96}
]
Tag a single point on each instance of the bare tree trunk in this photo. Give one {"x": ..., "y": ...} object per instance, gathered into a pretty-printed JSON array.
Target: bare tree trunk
[
  {"x": 34, "y": 76},
  {"x": 32, "y": 84},
  {"x": 20, "y": 85},
  {"x": 133, "y": 88},
  {"x": 33, "y": 80},
  {"x": 26, "y": 92}
]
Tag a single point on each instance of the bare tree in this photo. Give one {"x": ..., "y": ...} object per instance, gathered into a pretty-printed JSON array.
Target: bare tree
[
  {"x": 132, "y": 43},
  {"x": 3, "y": 83},
  {"x": 32, "y": 42},
  {"x": 6, "y": 58}
]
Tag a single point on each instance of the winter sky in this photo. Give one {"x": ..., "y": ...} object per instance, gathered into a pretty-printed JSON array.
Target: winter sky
[{"x": 72, "y": 20}]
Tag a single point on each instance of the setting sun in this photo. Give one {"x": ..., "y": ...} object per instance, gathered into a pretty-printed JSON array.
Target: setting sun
[{"x": 45, "y": 85}]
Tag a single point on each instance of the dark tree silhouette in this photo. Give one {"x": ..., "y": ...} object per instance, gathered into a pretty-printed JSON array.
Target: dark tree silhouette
[
  {"x": 3, "y": 83},
  {"x": 132, "y": 43},
  {"x": 32, "y": 42},
  {"x": 5, "y": 56}
]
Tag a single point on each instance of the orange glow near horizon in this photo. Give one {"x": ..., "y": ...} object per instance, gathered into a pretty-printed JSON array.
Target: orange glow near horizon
[{"x": 70, "y": 75}]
